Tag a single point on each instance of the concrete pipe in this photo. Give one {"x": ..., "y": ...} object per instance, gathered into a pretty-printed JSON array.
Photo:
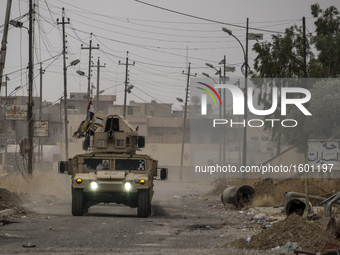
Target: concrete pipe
[
  {"x": 237, "y": 195},
  {"x": 297, "y": 205}
]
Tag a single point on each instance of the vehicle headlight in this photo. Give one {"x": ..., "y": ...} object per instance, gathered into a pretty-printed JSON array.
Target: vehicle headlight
[
  {"x": 94, "y": 185},
  {"x": 127, "y": 186}
]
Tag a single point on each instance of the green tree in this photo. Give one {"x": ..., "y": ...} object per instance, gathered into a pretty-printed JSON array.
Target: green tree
[
  {"x": 325, "y": 120},
  {"x": 326, "y": 41},
  {"x": 275, "y": 62},
  {"x": 283, "y": 58}
]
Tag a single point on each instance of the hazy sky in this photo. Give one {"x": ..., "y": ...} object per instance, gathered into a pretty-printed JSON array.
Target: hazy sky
[{"x": 160, "y": 42}]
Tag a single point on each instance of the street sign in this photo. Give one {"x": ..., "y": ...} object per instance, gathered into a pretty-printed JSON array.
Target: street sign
[
  {"x": 323, "y": 152},
  {"x": 16, "y": 112},
  {"x": 40, "y": 128},
  {"x": 230, "y": 68},
  {"x": 252, "y": 36}
]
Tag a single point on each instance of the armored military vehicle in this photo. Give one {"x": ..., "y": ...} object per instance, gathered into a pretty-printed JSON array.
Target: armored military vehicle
[{"x": 112, "y": 172}]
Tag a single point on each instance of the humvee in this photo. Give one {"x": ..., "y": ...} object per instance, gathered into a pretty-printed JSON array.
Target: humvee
[{"x": 112, "y": 172}]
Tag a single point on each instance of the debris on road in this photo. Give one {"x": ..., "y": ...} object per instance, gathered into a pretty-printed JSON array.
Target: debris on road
[
  {"x": 288, "y": 247},
  {"x": 29, "y": 245},
  {"x": 293, "y": 229},
  {"x": 260, "y": 216},
  {"x": 238, "y": 196},
  {"x": 6, "y": 222},
  {"x": 9, "y": 200}
]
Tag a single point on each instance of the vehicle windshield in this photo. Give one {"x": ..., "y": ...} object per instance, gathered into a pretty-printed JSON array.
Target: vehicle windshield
[
  {"x": 97, "y": 164},
  {"x": 130, "y": 164}
]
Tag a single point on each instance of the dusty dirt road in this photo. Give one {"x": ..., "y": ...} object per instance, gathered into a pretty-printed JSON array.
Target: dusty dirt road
[{"x": 185, "y": 220}]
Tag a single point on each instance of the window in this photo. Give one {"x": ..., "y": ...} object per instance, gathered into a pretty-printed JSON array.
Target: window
[
  {"x": 54, "y": 131},
  {"x": 71, "y": 107},
  {"x": 119, "y": 143},
  {"x": 130, "y": 110},
  {"x": 130, "y": 164},
  {"x": 85, "y": 97},
  {"x": 101, "y": 143},
  {"x": 127, "y": 141},
  {"x": 264, "y": 138},
  {"x": 112, "y": 124},
  {"x": 104, "y": 165},
  {"x": 151, "y": 113},
  {"x": 72, "y": 96},
  {"x": 96, "y": 164},
  {"x": 254, "y": 138}
]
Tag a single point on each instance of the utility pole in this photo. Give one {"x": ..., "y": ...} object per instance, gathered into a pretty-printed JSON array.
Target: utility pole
[
  {"x": 61, "y": 126},
  {"x": 5, "y": 119},
  {"x": 4, "y": 40},
  {"x": 224, "y": 106},
  {"x": 65, "y": 81},
  {"x": 40, "y": 149},
  {"x": 126, "y": 79},
  {"x": 90, "y": 48},
  {"x": 98, "y": 75},
  {"x": 220, "y": 116},
  {"x": 304, "y": 48},
  {"x": 30, "y": 89},
  {"x": 239, "y": 134},
  {"x": 185, "y": 117},
  {"x": 305, "y": 213},
  {"x": 244, "y": 147}
]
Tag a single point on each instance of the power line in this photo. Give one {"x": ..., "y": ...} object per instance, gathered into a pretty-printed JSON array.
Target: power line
[
  {"x": 155, "y": 99},
  {"x": 128, "y": 20},
  {"x": 214, "y": 21}
]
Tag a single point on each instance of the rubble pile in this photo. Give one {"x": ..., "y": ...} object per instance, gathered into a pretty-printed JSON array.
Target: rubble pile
[
  {"x": 9, "y": 199},
  {"x": 309, "y": 235}
]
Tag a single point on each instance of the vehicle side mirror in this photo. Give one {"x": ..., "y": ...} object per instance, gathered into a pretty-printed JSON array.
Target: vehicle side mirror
[
  {"x": 140, "y": 141},
  {"x": 164, "y": 174},
  {"x": 63, "y": 167}
]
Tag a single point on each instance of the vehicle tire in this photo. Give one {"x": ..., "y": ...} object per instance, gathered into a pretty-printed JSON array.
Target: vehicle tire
[
  {"x": 77, "y": 202},
  {"x": 144, "y": 205}
]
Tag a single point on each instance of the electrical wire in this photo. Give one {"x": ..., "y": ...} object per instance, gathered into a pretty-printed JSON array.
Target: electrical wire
[{"x": 210, "y": 20}]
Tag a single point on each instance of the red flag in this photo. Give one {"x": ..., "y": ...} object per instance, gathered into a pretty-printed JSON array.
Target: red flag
[{"x": 90, "y": 110}]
